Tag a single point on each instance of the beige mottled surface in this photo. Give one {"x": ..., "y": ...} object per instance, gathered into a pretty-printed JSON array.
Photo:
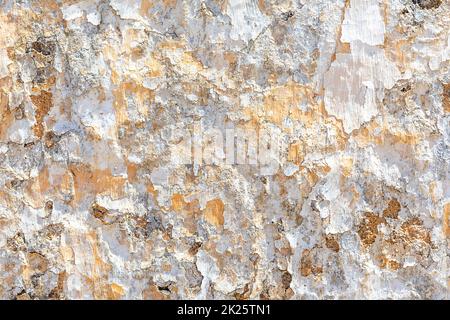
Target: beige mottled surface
[{"x": 97, "y": 96}]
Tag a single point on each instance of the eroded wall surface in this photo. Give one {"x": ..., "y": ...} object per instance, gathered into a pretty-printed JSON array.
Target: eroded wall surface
[{"x": 97, "y": 95}]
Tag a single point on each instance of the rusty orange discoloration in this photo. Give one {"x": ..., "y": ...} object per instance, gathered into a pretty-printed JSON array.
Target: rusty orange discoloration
[
  {"x": 151, "y": 189},
  {"x": 145, "y": 6},
  {"x": 347, "y": 166},
  {"x": 156, "y": 68},
  {"x": 366, "y": 135},
  {"x": 432, "y": 191},
  {"x": 181, "y": 206},
  {"x": 283, "y": 101},
  {"x": 388, "y": 263},
  {"x": 332, "y": 243},
  {"x": 262, "y": 6},
  {"x": 90, "y": 181},
  {"x": 341, "y": 47},
  {"x": 446, "y": 218},
  {"x": 307, "y": 266},
  {"x": 404, "y": 138},
  {"x": 392, "y": 209},
  {"x": 152, "y": 293},
  {"x": 415, "y": 231},
  {"x": 178, "y": 202},
  {"x": 115, "y": 291},
  {"x": 230, "y": 57},
  {"x": 446, "y": 97},
  {"x": 368, "y": 229},
  {"x": 189, "y": 210},
  {"x": 6, "y": 116},
  {"x": 143, "y": 97},
  {"x": 43, "y": 103},
  {"x": 213, "y": 212},
  {"x": 38, "y": 188},
  {"x": 57, "y": 292},
  {"x": 98, "y": 279},
  {"x": 132, "y": 169},
  {"x": 296, "y": 153},
  {"x": 396, "y": 51}
]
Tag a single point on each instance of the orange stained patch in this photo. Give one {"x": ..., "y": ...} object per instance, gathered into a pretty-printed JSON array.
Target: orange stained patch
[
  {"x": 311, "y": 177},
  {"x": 332, "y": 243},
  {"x": 392, "y": 209},
  {"x": 46, "y": 86},
  {"x": 317, "y": 172},
  {"x": 49, "y": 181},
  {"x": 143, "y": 97},
  {"x": 284, "y": 101},
  {"x": 213, "y": 212},
  {"x": 43, "y": 104},
  {"x": 181, "y": 206},
  {"x": 388, "y": 263},
  {"x": 296, "y": 153},
  {"x": 115, "y": 291},
  {"x": 365, "y": 136},
  {"x": 169, "y": 3},
  {"x": 155, "y": 67},
  {"x": 171, "y": 44},
  {"x": 230, "y": 57},
  {"x": 307, "y": 266},
  {"x": 111, "y": 53},
  {"x": 6, "y": 116},
  {"x": 446, "y": 218},
  {"x": 151, "y": 189},
  {"x": 37, "y": 189},
  {"x": 37, "y": 262},
  {"x": 397, "y": 50},
  {"x": 132, "y": 171},
  {"x": 90, "y": 181},
  {"x": 415, "y": 231},
  {"x": 178, "y": 202},
  {"x": 368, "y": 229},
  {"x": 341, "y": 47},
  {"x": 190, "y": 63},
  {"x": 189, "y": 210},
  {"x": 130, "y": 37},
  {"x": 347, "y": 166},
  {"x": 262, "y": 5},
  {"x": 98, "y": 277},
  {"x": 152, "y": 293},
  {"x": 145, "y": 6},
  {"x": 405, "y": 138}
]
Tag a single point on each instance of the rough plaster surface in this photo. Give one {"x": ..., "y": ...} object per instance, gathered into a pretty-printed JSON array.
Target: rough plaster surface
[{"x": 96, "y": 95}]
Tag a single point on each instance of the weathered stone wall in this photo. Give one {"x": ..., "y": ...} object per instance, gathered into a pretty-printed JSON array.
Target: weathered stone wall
[{"x": 97, "y": 100}]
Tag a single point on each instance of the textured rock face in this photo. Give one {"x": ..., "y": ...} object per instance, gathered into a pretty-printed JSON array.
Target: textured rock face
[{"x": 133, "y": 159}]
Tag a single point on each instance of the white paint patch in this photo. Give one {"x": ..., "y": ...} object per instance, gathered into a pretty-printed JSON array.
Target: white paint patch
[
  {"x": 355, "y": 82},
  {"x": 20, "y": 132},
  {"x": 247, "y": 21},
  {"x": 98, "y": 115},
  {"x": 4, "y": 63},
  {"x": 72, "y": 12},
  {"x": 127, "y": 9},
  {"x": 363, "y": 22}
]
